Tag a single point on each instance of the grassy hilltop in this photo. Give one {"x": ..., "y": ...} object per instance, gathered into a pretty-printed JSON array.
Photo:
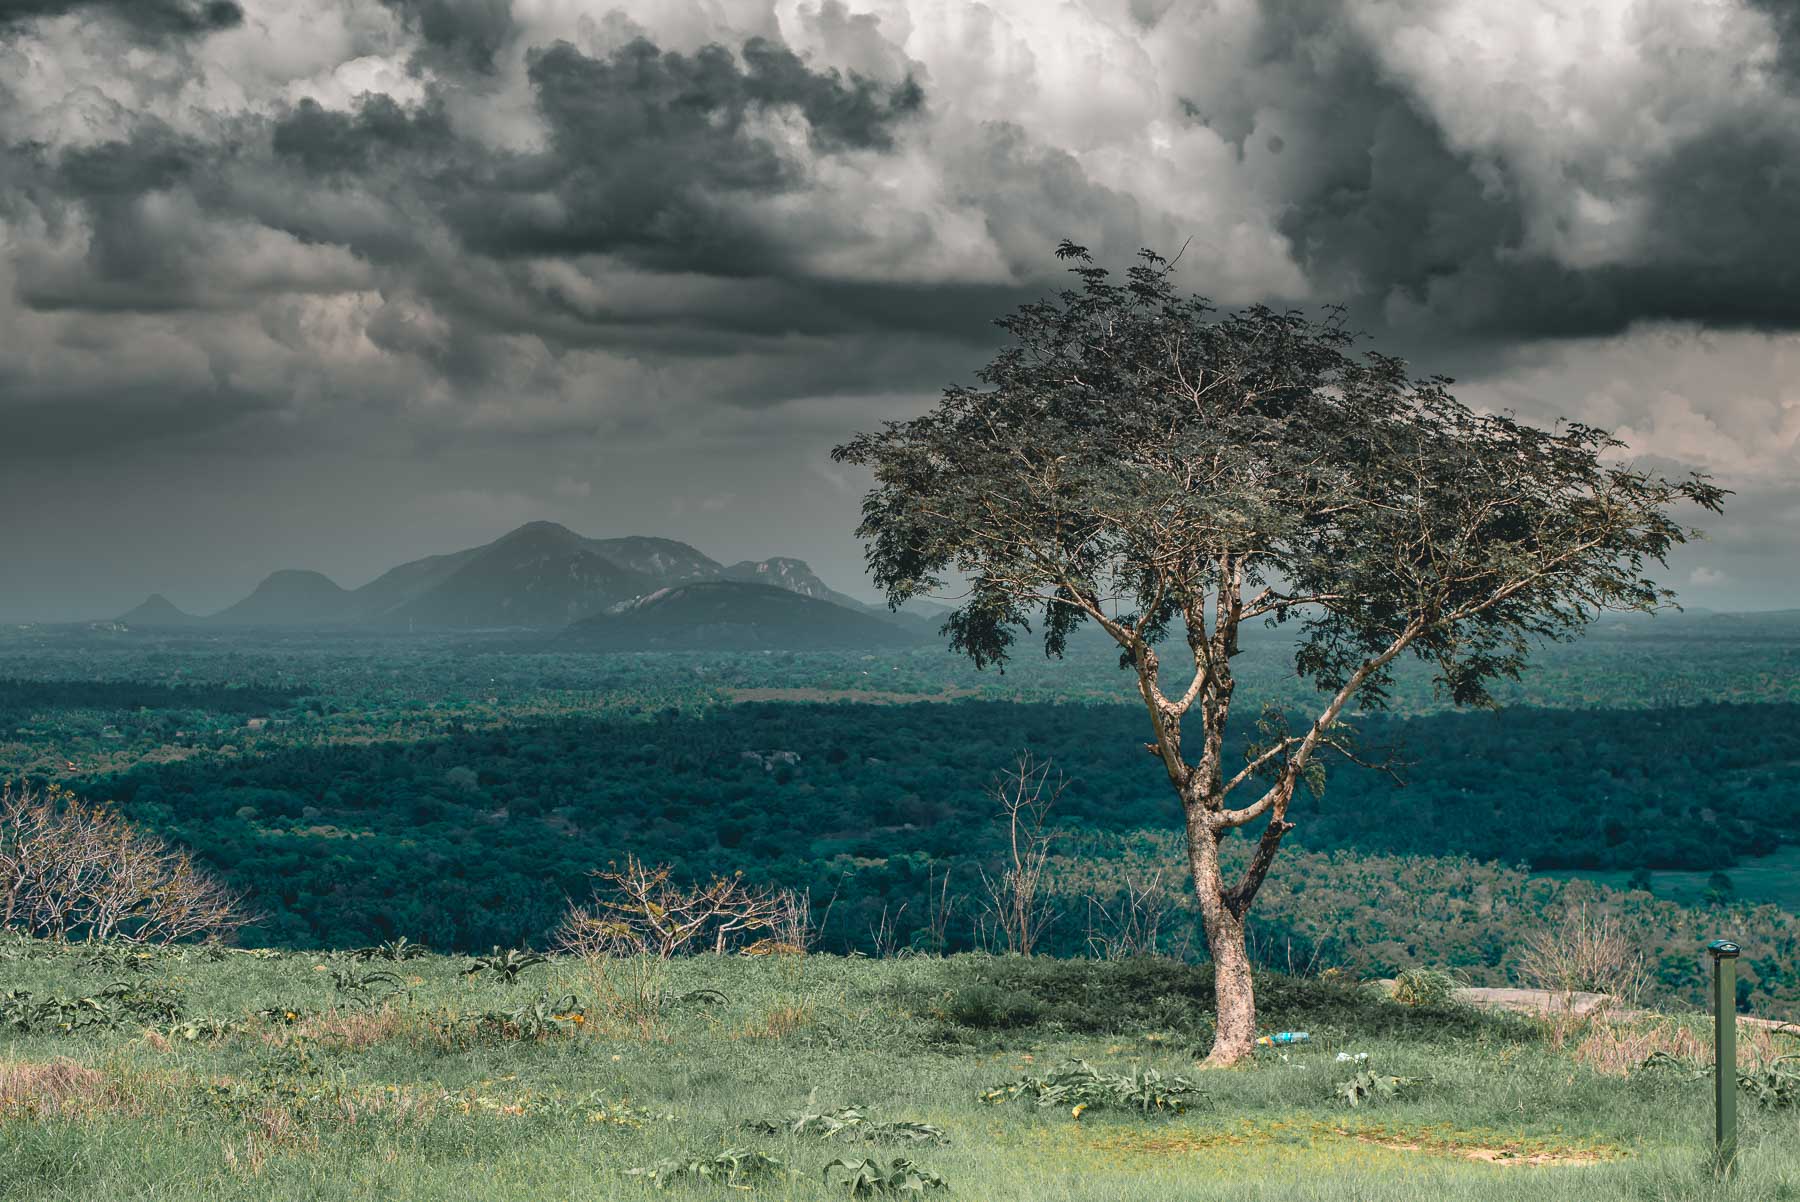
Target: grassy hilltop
[{"x": 197, "y": 1075}]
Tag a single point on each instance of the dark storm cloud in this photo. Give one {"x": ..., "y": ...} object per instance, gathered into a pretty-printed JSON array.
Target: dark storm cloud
[
  {"x": 468, "y": 33},
  {"x": 149, "y": 19},
  {"x": 413, "y": 231},
  {"x": 337, "y": 146},
  {"x": 1784, "y": 15},
  {"x": 649, "y": 156},
  {"x": 1390, "y": 208},
  {"x": 647, "y": 147},
  {"x": 127, "y": 265},
  {"x": 646, "y": 150}
]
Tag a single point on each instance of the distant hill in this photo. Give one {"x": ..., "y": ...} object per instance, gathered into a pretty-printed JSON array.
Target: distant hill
[
  {"x": 661, "y": 559},
  {"x": 158, "y": 610},
  {"x": 733, "y": 615},
  {"x": 540, "y": 576},
  {"x": 794, "y": 575},
  {"x": 291, "y": 598},
  {"x": 408, "y": 582}
]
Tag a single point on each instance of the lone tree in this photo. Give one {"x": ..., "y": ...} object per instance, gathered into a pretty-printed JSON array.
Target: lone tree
[{"x": 1136, "y": 459}]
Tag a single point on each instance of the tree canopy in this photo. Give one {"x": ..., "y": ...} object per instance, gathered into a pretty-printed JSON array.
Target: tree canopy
[{"x": 1133, "y": 454}]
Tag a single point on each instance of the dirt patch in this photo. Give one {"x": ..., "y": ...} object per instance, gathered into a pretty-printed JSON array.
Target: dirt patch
[{"x": 1482, "y": 1146}]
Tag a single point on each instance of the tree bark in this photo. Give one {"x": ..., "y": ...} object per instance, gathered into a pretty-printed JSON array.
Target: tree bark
[{"x": 1234, "y": 990}]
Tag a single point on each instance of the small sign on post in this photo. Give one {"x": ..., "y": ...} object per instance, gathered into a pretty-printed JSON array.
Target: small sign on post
[{"x": 1724, "y": 954}]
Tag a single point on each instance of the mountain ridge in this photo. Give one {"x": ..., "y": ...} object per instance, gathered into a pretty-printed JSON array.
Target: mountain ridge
[{"x": 544, "y": 576}]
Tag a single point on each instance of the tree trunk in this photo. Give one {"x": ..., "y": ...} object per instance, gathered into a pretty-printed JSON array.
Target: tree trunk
[{"x": 1234, "y": 991}]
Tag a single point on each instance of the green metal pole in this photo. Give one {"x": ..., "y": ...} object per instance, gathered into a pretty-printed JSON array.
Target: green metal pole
[{"x": 1725, "y": 955}]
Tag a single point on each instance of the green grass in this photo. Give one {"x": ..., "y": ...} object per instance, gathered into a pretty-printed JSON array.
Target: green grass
[
  {"x": 1773, "y": 879},
  {"x": 407, "y": 1102}
]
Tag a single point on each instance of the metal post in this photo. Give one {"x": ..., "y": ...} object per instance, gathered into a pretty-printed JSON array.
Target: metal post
[{"x": 1724, "y": 954}]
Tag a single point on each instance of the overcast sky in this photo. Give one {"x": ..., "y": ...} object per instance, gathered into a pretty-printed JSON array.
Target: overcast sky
[{"x": 339, "y": 283}]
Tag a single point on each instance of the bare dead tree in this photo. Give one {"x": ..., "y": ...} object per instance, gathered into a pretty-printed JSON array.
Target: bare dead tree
[
  {"x": 1015, "y": 907},
  {"x": 1585, "y": 950},
  {"x": 1131, "y": 923},
  {"x": 72, "y": 869},
  {"x": 791, "y": 926},
  {"x": 640, "y": 910}
]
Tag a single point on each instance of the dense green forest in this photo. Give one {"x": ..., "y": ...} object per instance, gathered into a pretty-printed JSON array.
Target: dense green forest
[
  {"x": 478, "y": 836},
  {"x": 461, "y": 793}
]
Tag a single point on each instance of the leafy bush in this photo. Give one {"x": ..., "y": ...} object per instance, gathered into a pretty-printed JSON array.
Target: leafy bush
[
  {"x": 1775, "y": 1085},
  {"x": 200, "y": 1030}
]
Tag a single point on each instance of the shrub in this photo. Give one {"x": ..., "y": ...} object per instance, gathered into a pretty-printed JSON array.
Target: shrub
[
  {"x": 642, "y": 910},
  {"x": 73, "y": 869},
  {"x": 1586, "y": 951},
  {"x": 1425, "y": 987}
]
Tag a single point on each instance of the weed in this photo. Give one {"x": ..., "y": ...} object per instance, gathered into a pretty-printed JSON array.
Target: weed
[
  {"x": 119, "y": 957},
  {"x": 506, "y": 965},
  {"x": 367, "y": 989},
  {"x": 199, "y": 1030},
  {"x": 847, "y": 1124},
  {"x": 862, "y": 1178},
  {"x": 1368, "y": 1086},
  {"x": 739, "y": 1168},
  {"x": 394, "y": 950},
  {"x": 1082, "y": 1087},
  {"x": 539, "y": 1020},
  {"x": 110, "y": 1008}
]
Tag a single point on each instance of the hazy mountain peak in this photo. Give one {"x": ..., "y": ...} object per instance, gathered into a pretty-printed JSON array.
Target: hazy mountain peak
[
  {"x": 157, "y": 610},
  {"x": 539, "y": 532},
  {"x": 794, "y": 575},
  {"x": 290, "y": 597}
]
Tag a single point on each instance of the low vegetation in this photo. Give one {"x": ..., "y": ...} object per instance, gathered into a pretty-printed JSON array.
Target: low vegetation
[{"x": 221, "y": 1074}]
